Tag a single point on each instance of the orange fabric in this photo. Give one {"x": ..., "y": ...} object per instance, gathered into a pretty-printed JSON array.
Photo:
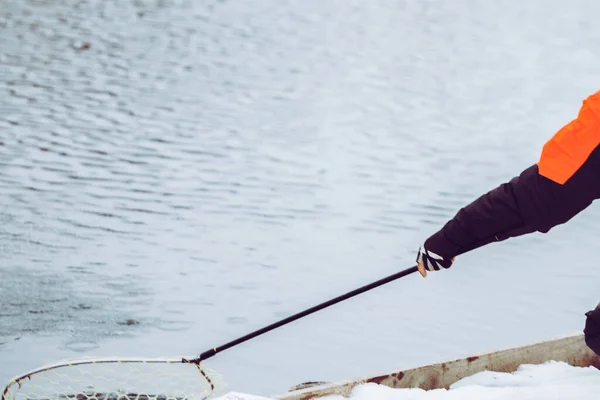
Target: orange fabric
[{"x": 571, "y": 146}]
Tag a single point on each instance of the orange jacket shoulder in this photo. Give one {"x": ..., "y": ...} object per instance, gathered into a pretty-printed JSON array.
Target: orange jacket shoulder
[{"x": 571, "y": 146}]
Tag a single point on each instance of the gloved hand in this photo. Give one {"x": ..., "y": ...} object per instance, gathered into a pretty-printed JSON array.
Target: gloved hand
[{"x": 429, "y": 261}]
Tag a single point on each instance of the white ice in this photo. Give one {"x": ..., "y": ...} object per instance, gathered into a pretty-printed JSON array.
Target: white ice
[{"x": 549, "y": 381}]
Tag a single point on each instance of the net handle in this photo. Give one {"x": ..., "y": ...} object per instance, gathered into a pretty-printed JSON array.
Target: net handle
[{"x": 210, "y": 353}]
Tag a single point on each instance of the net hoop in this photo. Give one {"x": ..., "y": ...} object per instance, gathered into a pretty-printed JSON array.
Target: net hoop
[{"x": 19, "y": 380}]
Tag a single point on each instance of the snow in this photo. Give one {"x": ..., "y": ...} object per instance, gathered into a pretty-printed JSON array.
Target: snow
[{"x": 552, "y": 380}]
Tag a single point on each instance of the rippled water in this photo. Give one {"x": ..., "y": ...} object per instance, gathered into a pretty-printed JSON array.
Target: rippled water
[{"x": 174, "y": 174}]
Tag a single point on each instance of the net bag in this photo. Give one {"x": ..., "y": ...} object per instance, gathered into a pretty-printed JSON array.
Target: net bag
[{"x": 116, "y": 379}]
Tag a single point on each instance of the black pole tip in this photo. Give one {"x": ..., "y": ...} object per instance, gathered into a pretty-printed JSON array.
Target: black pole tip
[{"x": 204, "y": 356}]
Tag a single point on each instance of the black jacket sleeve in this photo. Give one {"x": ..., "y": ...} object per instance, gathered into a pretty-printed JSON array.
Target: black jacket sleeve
[{"x": 528, "y": 203}]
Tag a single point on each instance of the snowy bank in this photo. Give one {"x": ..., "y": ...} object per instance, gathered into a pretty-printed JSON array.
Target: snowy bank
[{"x": 552, "y": 380}]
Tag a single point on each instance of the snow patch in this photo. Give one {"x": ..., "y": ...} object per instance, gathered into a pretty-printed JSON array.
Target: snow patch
[{"x": 552, "y": 380}]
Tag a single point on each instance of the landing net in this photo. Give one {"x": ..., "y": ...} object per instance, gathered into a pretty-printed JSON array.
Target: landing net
[{"x": 116, "y": 379}]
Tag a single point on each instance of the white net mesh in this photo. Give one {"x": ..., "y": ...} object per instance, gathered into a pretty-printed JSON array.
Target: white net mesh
[{"x": 102, "y": 379}]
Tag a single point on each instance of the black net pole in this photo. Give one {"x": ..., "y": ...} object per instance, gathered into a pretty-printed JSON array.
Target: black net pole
[{"x": 209, "y": 353}]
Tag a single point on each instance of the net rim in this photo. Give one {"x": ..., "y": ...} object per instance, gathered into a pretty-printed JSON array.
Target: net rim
[{"x": 90, "y": 360}]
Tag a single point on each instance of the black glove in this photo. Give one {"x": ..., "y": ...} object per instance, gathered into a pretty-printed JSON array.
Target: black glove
[{"x": 432, "y": 261}]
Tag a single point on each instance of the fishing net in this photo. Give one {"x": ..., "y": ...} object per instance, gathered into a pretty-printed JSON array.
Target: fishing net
[{"x": 117, "y": 379}]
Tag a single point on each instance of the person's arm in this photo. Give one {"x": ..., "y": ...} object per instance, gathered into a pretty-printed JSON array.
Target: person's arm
[{"x": 565, "y": 181}]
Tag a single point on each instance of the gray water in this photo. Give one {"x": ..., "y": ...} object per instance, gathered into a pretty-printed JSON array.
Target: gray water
[{"x": 177, "y": 173}]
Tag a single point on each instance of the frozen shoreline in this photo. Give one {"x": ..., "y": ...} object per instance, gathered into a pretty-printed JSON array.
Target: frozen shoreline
[{"x": 552, "y": 380}]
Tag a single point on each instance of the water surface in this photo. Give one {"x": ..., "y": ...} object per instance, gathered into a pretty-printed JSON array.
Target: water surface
[{"x": 175, "y": 174}]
